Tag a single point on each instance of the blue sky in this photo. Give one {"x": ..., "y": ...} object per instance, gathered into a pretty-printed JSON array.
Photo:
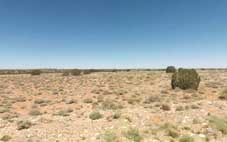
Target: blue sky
[{"x": 113, "y": 33}]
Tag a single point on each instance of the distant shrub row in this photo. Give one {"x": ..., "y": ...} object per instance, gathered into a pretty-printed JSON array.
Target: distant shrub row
[{"x": 35, "y": 72}]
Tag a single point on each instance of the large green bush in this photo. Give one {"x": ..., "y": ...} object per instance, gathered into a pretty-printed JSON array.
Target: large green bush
[
  {"x": 170, "y": 69},
  {"x": 185, "y": 79}
]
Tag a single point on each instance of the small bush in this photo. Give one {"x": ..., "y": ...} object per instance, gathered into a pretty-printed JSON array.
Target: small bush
[
  {"x": 64, "y": 113},
  {"x": 173, "y": 133},
  {"x": 165, "y": 107},
  {"x": 23, "y": 125},
  {"x": 88, "y": 100},
  {"x": 170, "y": 69},
  {"x": 35, "y": 112},
  {"x": 117, "y": 115},
  {"x": 186, "y": 138},
  {"x": 151, "y": 99},
  {"x": 5, "y": 138},
  {"x": 36, "y": 72},
  {"x": 75, "y": 72},
  {"x": 41, "y": 101},
  {"x": 185, "y": 79},
  {"x": 219, "y": 123},
  {"x": 223, "y": 95},
  {"x": 110, "y": 136},
  {"x": 109, "y": 104},
  {"x": 133, "y": 135},
  {"x": 66, "y": 73},
  {"x": 95, "y": 115}
]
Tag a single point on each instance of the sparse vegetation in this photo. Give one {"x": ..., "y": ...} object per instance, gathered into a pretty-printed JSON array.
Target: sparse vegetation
[{"x": 102, "y": 106}]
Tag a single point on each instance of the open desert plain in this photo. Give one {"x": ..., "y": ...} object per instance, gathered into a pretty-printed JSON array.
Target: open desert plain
[{"x": 125, "y": 106}]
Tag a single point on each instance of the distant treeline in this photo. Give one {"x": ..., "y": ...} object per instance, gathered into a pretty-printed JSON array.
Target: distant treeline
[{"x": 29, "y": 71}]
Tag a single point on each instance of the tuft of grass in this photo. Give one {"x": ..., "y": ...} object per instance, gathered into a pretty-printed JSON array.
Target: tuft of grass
[
  {"x": 110, "y": 105},
  {"x": 219, "y": 123},
  {"x": 88, "y": 100},
  {"x": 116, "y": 115},
  {"x": 69, "y": 101},
  {"x": 223, "y": 94},
  {"x": 173, "y": 133},
  {"x": 35, "y": 112},
  {"x": 151, "y": 99},
  {"x": 23, "y": 124},
  {"x": 64, "y": 112},
  {"x": 134, "y": 135},
  {"x": 110, "y": 136},
  {"x": 41, "y": 101},
  {"x": 165, "y": 107},
  {"x": 6, "y": 138},
  {"x": 95, "y": 115},
  {"x": 186, "y": 138},
  {"x": 3, "y": 110}
]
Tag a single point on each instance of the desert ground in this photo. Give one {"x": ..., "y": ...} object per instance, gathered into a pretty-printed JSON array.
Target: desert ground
[{"x": 135, "y": 106}]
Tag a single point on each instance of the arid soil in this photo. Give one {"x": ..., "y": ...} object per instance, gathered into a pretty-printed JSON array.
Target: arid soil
[{"x": 136, "y": 106}]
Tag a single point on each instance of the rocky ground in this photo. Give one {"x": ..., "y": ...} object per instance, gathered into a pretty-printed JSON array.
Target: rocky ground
[{"x": 136, "y": 106}]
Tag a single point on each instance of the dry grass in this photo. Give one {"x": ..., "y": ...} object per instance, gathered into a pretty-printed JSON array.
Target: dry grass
[{"x": 104, "y": 107}]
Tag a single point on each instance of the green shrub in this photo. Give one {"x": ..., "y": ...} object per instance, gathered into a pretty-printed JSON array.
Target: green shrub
[
  {"x": 110, "y": 136},
  {"x": 95, "y": 115},
  {"x": 185, "y": 79},
  {"x": 186, "y": 138},
  {"x": 35, "y": 72},
  {"x": 75, "y": 72},
  {"x": 133, "y": 135},
  {"x": 219, "y": 123},
  {"x": 170, "y": 69}
]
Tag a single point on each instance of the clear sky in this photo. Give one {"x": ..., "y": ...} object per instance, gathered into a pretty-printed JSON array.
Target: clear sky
[{"x": 113, "y": 33}]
